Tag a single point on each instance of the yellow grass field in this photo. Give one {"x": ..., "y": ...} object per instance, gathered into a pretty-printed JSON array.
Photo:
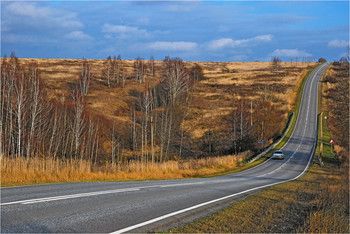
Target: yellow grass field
[
  {"x": 47, "y": 170},
  {"x": 211, "y": 98}
]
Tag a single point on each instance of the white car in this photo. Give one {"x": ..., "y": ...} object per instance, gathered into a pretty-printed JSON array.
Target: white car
[{"x": 278, "y": 154}]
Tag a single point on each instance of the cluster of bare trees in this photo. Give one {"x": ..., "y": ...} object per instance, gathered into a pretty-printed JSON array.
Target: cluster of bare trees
[
  {"x": 85, "y": 78},
  {"x": 254, "y": 124},
  {"x": 31, "y": 125},
  {"x": 197, "y": 72},
  {"x": 113, "y": 71},
  {"x": 158, "y": 133},
  {"x": 276, "y": 64}
]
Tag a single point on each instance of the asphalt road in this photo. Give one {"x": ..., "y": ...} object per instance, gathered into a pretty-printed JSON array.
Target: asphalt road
[{"x": 145, "y": 206}]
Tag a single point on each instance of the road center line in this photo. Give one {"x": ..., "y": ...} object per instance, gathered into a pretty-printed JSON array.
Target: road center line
[
  {"x": 79, "y": 195},
  {"x": 55, "y": 198}
]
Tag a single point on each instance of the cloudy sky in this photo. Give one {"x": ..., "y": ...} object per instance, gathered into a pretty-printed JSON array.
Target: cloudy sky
[{"x": 193, "y": 31}]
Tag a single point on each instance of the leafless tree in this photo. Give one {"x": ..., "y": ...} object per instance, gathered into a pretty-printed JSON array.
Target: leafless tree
[
  {"x": 85, "y": 77},
  {"x": 3, "y": 79},
  {"x": 243, "y": 136},
  {"x": 79, "y": 123},
  {"x": 116, "y": 145},
  {"x": 119, "y": 66},
  {"x": 151, "y": 66},
  {"x": 146, "y": 103},
  {"x": 140, "y": 69},
  {"x": 20, "y": 110},
  {"x": 276, "y": 64},
  {"x": 55, "y": 118},
  {"x": 107, "y": 72},
  {"x": 197, "y": 72},
  {"x": 37, "y": 104},
  {"x": 176, "y": 85}
]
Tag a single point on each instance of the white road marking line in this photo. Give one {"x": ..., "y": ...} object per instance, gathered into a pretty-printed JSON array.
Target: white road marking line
[
  {"x": 216, "y": 200},
  {"x": 79, "y": 195},
  {"x": 38, "y": 200},
  {"x": 175, "y": 185}
]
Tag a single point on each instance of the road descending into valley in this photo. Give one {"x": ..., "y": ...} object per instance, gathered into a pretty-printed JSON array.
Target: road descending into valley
[{"x": 149, "y": 205}]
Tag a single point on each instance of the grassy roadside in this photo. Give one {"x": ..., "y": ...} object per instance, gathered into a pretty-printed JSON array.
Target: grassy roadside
[
  {"x": 296, "y": 111},
  {"x": 317, "y": 202},
  {"x": 15, "y": 172}
]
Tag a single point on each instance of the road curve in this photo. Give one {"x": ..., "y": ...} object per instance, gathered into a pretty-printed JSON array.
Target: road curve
[{"x": 105, "y": 207}]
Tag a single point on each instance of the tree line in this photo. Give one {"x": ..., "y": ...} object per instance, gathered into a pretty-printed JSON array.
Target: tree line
[{"x": 33, "y": 125}]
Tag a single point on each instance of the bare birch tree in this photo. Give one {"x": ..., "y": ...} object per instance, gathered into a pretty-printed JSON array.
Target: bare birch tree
[
  {"x": 108, "y": 70},
  {"x": 151, "y": 66},
  {"x": 79, "y": 118},
  {"x": 140, "y": 69},
  {"x": 20, "y": 110},
  {"x": 38, "y": 104},
  {"x": 119, "y": 66},
  {"x": 85, "y": 77}
]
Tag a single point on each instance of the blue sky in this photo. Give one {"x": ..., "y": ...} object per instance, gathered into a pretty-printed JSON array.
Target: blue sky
[{"x": 193, "y": 31}]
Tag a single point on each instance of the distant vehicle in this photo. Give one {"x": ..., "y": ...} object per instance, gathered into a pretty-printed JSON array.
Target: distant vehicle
[{"x": 278, "y": 154}]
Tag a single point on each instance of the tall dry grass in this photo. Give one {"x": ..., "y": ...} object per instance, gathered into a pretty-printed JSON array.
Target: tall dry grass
[
  {"x": 18, "y": 171},
  {"x": 329, "y": 211}
]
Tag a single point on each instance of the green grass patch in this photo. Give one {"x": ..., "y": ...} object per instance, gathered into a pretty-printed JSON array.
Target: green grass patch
[{"x": 327, "y": 151}]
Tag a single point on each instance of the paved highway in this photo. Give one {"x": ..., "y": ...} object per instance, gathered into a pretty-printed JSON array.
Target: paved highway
[{"x": 145, "y": 206}]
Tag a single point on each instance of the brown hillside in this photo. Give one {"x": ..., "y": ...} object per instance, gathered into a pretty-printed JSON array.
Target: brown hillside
[{"x": 211, "y": 99}]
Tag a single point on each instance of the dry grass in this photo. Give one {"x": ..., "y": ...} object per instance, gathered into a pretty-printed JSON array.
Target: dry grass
[
  {"x": 317, "y": 203},
  {"x": 40, "y": 170},
  {"x": 211, "y": 99}
]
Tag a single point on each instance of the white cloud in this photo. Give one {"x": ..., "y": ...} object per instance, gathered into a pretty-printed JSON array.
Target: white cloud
[
  {"x": 124, "y": 31},
  {"x": 289, "y": 53},
  {"x": 35, "y": 16},
  {"x": 173, "y": 46},
  {"x": 220, "y": 43},
  {"x": 77, "y": 35},
  {"x": 338, "y": 43},
  {"x": 228, "y": 42}
]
